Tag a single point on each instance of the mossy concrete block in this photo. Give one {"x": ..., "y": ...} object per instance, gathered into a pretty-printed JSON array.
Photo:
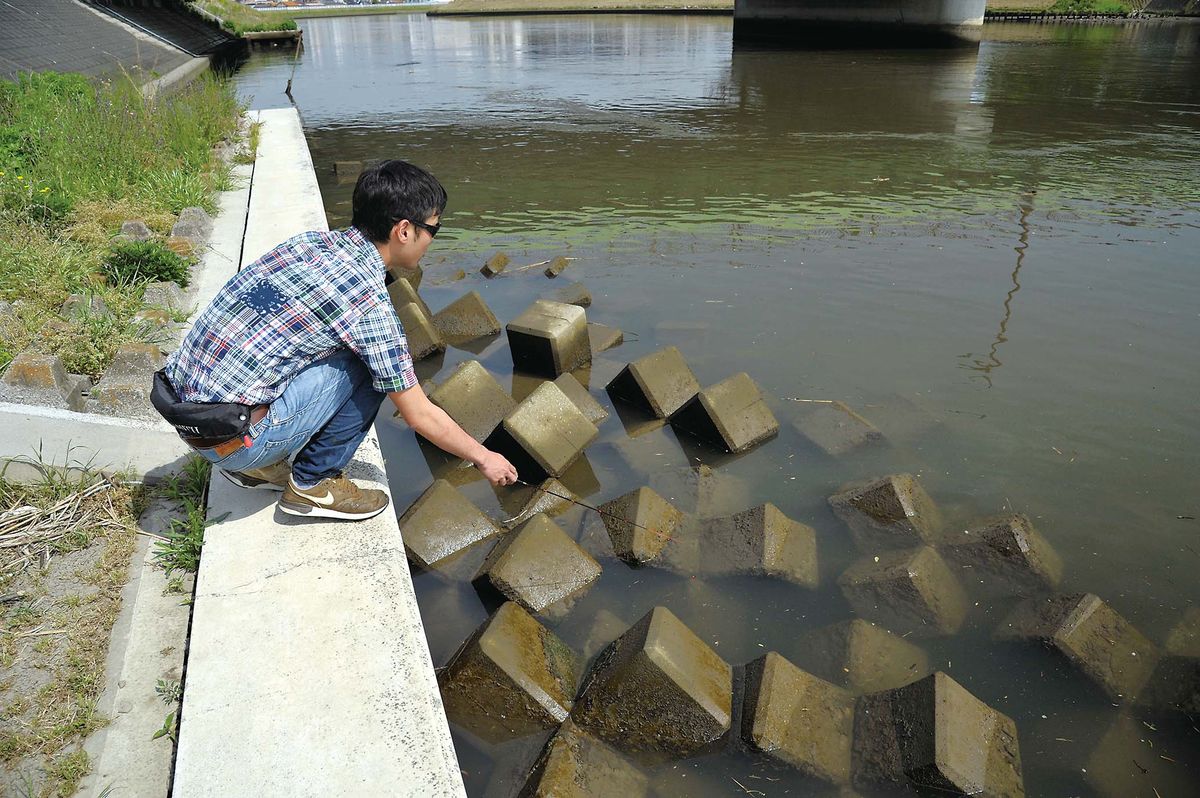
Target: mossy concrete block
[
  {"x": 659, "y": 383},
  {"x": 862, "y": 657},
  {"x": 466, "y": 319},
  {"x": 423, "y": 338},
  {"x": 1008, "y": 555},
  {"x": 165, "y": 294},
  {"x": 934, "y": 734},
  {"x": 911, "y": 591},
  {"x": 798, "y": 719},
  {"x": 546, "y": 433},
  {"x": 442, "y": 524},
  {"x": 1175, "y": 683},
  {"x": 557, "y": 266},
  {"x": 1093, "y": 637},
  {"x": 413, "y": 276},
  {"x": 604, "y": 337},
  {"x": 36, "y": 378},
  {"x": 761, "y": 541},
  {"x": 549, "y": 338},
  {"x": 183, "y": 247},
  {"x": 540, "y": 568},
  {"x": 402, "y": 292},
  {"x": 658, "y": 691},
  {"x": 587, "y": 405},
  {"x": 640, "y": 524},
  {"x": 193, "y": 224},
  {"x": 575, "y": 764},
  {"x": 511, "y": 678},
  {"x": 474, "y": 399},
  {"x": 347, "y": 170},
  {"x": 730, "y": 414},
  {"x": 494, "y": 265},
  {"x": 135, "y": 230},
  {"x": 153, "y": 318},
  {"x": 84, "y": 305},
  {"x": 571, "y": 294},
  {"x": 887, "y": 513},
  {"x": 550, "y": 497},
  {"x": 124, "y": 390},
  {"x": 836, "y": 429},
  {"x": 701, "y": 490}
]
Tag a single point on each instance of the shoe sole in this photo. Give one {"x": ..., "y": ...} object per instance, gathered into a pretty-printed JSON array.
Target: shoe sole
[
  {"x": 251, "y": 484},
  {"x": 312, "y": 511}
]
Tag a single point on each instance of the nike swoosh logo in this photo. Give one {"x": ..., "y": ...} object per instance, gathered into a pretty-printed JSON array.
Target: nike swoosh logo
[{"x": 324, "y": 501}]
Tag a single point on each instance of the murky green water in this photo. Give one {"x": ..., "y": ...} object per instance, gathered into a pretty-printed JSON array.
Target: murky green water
[{"x": 1005, "y": 238}]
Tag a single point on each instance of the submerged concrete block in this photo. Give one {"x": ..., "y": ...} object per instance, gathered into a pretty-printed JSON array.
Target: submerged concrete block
[
  {"x": 423, "y": 338},
  {"x": 472, "y": 397},
  {"x": 836, "y": 429},
  {"x": 511, "y": 678},
  {"x": 702, "y": 490},
  {"x": 494, "y": 265},
  {"x": 347, "y": 169},
  {"x": 36, "y": 378},
  {"x": 546, "y": 433},
  {"x": 579, "y": 395},
  {"x": 1175, "y": 683},
  {"x": 576, "y": 765},
  {"x": 659, "y": 383},
  {"x": 730, "y": 414},
  {"x": 798, "y": 719},
  {"x": 639, "y": 525},
  {"x": 466, "y": 319},
  {"x": 571, "y": 294},
  {"x": 556, "y": 266},
  {"x": 604, "y": 337},
  {"x": 761, "y": 541},
  {"x": 441, "y": 525},
  {"x": 549, "y": 338},
  {"x": 1131, "y": 761},
  {"x": 1091, "y": 635},
  {"x": 550, "y": 497},
  {"x": 1008, "y": 555},
  {"x": 911, "y": 591},
  {"x": 402, "y": 292},
  {"x": 862, "y": 657},
  {"x": 887, "y": 513},
  {"x": 540, "y": 568},
  {"x": 934, "y": 734},
  {"x": 658, "y": 691},
  {"x": 165, "y": 294},
  {"x": 606, "y": 627}
]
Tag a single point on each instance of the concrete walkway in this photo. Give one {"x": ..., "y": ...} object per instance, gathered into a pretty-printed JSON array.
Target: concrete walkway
[{"x": 308, "y": 672}]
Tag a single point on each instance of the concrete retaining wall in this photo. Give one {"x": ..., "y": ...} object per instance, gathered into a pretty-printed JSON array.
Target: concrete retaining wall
[
  {"x": 308, "y": 673},
  {"x": 888, "y": 23}
]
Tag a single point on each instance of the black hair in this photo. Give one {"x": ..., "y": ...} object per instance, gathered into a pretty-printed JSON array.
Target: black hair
[{"x": 391, "y": 191}]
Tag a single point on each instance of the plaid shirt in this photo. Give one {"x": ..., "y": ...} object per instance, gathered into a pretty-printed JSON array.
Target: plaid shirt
[{"x": 306, "y": 299}]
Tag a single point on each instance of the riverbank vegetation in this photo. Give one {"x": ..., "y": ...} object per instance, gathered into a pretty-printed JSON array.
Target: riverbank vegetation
[
  {"x": 77, "y": 159},
  {"x": 578, "y": 6},
  {"x": 358, "y": 11},
  {"x": 240, "y": 19},
  {"x": 1066, "y": 6}
]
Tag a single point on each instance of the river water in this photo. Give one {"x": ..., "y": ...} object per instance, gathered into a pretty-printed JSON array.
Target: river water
[{"x": 993, "y": 253}]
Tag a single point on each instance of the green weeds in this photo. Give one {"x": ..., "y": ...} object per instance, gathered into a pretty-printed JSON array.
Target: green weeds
[
  {"x": 239, "y": 19},
  {"x": 180, "y": 550},
  {"x": 133, "y": 263}
]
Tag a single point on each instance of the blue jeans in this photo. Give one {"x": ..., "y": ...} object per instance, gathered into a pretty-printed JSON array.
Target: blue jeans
[{"x": 321, "y": 418}]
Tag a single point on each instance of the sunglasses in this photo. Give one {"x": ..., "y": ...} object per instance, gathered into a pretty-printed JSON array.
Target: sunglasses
[{"x": 432, "y": 229}]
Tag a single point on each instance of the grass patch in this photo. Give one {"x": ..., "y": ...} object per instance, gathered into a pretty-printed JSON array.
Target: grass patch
[
  {"x": 185, "y": 538},
  {"x": 240, "y": 19},
  {"x": 77, "y": 158},
  {"x": 357, "y": 11},
  {"x": 1090, "y": 7}
]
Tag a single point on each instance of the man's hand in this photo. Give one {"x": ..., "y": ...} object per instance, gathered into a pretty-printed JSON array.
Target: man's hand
[{"x": 497, "y": 469}]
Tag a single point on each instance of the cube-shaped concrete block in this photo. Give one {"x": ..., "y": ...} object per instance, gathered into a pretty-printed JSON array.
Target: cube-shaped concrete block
[
  {"x": 887, "y": 513},
  {"x": 658, "y": 691},
  {"x": 402, "y": 292},
  {"x": 761, "y": 541},
  {"x": 860, "y": 656},
  {"x": 703, "y": 490},
  {"x": 557, "y": 265},
  {"x": 731, "y": 415},
  {"x": 544, "y": 434},
  {"x": 1131, "y": 761},
  {"x": 639, "y": 524},
  {"x": 511, "y": 678},
  {"x": 835, "y": 428},
  {"x": 135, "y": 362},
  {"x": 347, "y": 170},
  {"x": 1093, "y": 637},
  {"x": 587, "y": 405},
  {"x": 575, "y": 764},
  {"x": 571, "y": 294},
  {"x": 911, "y": 592},
  {"x": 603, "y": 337},
  {"x": 540, "y": 567},
  {"x": 472, "y": 397},
  {"x": 798, "y": 719},
  {"x": 37, "y": 378},
  {"x": 1007, "y": 555},
  {"x": 549, "y": 338},
  {"x": 414, "y": 276},
  {"x": 494, "y": 265},
  {"x": 659, "y": 383},
  {"x": 550, "y": 497},
  {"x": 124, "y": 389},
  {"x": 442, "y": 524},
  {"x": 934, "y": 734},
  {"x": 466, "y": 319},
  {"x": 423, "y": 338},
  {"x": 193, "y": 223},
  {"x": 1175, "y": 683}
]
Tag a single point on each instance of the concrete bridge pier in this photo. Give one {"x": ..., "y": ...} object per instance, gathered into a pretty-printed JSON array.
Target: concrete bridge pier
[{"x": 858, "y": 23}]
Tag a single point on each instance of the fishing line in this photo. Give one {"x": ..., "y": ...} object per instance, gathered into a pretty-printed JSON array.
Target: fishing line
[{"x": 581, "y": 504}]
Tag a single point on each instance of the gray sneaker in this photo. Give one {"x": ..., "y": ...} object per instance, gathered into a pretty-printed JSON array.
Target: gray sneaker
[
  {"x": 271, "y": 477},
  {"x": 335, "y": 497}
]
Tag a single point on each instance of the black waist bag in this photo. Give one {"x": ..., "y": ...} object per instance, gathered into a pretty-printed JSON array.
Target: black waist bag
[{"x": 215, "y": 420}]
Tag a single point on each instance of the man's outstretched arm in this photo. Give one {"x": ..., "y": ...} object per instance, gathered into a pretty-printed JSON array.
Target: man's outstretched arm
[{"x": 432, "y": 423}]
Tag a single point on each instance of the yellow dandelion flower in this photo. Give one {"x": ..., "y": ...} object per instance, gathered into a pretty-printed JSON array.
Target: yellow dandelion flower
[
  {"x": 20, "y": 178},
  {"x": 45, "y": 190}
]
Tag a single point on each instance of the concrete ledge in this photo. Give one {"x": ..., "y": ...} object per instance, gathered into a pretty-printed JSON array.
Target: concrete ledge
[
  {"x": 308, "y": 671},
  {"x": 177, "y": 78}
]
